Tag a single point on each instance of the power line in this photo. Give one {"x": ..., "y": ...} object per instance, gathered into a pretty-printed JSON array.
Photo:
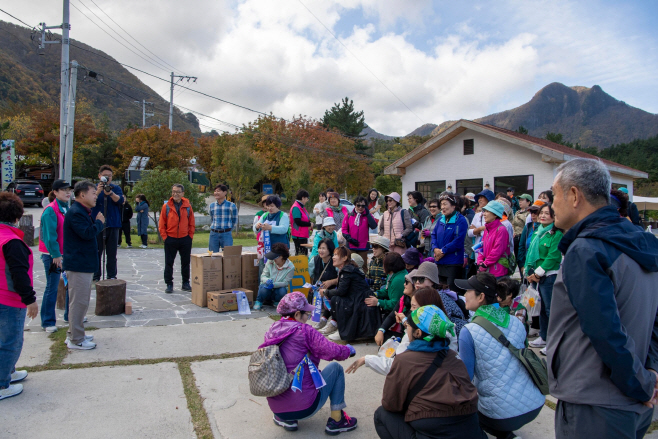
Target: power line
[
  {"x": 360, "y": 62},
  {"x": 17, "y": 19}
]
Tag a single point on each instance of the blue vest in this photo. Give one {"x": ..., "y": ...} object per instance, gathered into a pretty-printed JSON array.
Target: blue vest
[{"x": 275, "y": 237}]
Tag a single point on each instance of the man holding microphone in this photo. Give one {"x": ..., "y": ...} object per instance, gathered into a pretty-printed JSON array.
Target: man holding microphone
[{"x": 110, "y": 202}]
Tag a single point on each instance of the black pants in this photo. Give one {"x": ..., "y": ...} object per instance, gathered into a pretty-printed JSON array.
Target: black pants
[
  {"x": 448, "y": 274},
  {"x": 299, "y": 250},
  {"x": 504, "y": 428},
  {"x": 110, "y": 249},
  {"x": 125, "y": 230},
  {"x": 517, "y": 239},
  {"x": 577, "y": 421},
  {"x": 390, "y": 425},
  {"x": 144, "y": 239},
  {"x": 183, "y": 246}
]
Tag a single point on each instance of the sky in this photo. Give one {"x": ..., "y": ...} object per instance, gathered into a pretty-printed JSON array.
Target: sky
[{"x": 404, "y": 63}]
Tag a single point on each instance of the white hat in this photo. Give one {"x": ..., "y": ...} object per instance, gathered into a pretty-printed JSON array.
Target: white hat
[
  {"x": 470, "y": 196},
  {"x": 328, "y": 221},
  {"x": 358, "y": 259},
  {"x": 381, "y": 241}
]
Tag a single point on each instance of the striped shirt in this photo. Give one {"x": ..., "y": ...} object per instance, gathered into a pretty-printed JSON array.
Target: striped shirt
[{"x": 223, "y": 216}]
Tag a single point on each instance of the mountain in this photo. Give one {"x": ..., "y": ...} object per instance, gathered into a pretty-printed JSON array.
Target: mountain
[
  {"x": 29, "y": 76},
  {"x": 372, "y": 134}
]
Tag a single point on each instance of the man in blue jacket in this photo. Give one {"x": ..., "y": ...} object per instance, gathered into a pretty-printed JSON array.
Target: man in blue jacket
[
  {"x": 603, "y": 331},
  {"x": 114, "y": 196},
  {"x": 448, "y": 242},
  {"x": 81, "y": 260}
]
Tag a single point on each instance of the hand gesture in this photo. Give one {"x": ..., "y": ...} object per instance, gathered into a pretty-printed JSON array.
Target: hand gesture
[
  {"x": 100, "y": 217},
  {"x": 379, "y": 338},
  {"x": 354, "y": 366},
  {"x": 58, "y": 262}
]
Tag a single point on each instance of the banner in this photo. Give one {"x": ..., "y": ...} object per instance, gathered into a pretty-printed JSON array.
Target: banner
[
  {"x": 302, "y": 275},
  {"x": 8, "y": 161}
]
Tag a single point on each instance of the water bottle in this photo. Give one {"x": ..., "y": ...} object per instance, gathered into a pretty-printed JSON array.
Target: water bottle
[
  {"x": 243, "y": 303},
  {"x": 389, "y": 347}
]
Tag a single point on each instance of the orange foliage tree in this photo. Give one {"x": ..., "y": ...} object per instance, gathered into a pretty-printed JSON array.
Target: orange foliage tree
[{"x": 168, "y": 149}]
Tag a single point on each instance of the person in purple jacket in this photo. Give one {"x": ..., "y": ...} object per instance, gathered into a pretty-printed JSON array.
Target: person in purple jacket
[{"x": 303, "y": 346}]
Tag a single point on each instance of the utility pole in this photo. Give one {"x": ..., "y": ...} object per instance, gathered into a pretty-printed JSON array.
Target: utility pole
[
  {"x": 68, "y": 153},
  {"x": 144, "y": 113},
  {"x": 171, "y": 97}
]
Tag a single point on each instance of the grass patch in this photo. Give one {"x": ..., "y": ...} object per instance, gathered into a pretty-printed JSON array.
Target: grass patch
[
  {"x": 59, "y": 350},
  {"x": 550, "y": 404},
  {"x": 195, "y": 402},
  {"x": 200, "y": 240},
  {"x": 653, "y": 427},
  {"x": 275, "y": 317}
]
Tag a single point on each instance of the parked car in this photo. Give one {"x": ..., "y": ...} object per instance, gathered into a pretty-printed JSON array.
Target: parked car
[
  {"x": 348, "y": 204},
  {"x": 29, "y": 191}
]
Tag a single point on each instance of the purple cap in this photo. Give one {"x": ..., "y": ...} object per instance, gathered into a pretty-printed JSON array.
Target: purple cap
[{"x": 293, "y": 302}]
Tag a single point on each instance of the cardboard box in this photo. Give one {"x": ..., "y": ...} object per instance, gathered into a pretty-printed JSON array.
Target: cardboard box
[
  {"x": 250, "y": 279},
  {"x": 206, "y": 276},
  {"x": 232, "y": 267},
  {"x": 226, "y": 300}
]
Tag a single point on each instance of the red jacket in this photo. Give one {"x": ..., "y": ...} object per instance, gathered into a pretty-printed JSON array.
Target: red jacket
[{"x": 175, "y": 225}]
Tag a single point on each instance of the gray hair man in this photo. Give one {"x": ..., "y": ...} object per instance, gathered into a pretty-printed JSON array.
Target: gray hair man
[{"x": 602, "y": 335}]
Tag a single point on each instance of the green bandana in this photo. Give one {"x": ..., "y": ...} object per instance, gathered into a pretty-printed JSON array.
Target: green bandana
[
  {"x": 533, "y": 251},
  {"x": 496, "y": 315},
  {"x": 431, "y": 320}
]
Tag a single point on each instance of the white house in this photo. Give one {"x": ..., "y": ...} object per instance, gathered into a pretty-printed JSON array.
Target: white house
[{"x": 468, "y": 155}]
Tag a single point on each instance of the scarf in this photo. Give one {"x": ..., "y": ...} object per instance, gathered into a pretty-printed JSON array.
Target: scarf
[
  {"x": 442, "y": 344},
  {"x": 357, "y": 220},
  {"x": 495, "y": 314},
  {"x": 533, "y": 251}
]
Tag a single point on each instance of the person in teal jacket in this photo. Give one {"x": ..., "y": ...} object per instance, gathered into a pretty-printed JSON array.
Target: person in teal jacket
[
  {"x": 526, "y": 236},
  {"x": 541, "y": 266},
  {"x": 328, "y": 232},
  {"x": 388, "y": 297}
]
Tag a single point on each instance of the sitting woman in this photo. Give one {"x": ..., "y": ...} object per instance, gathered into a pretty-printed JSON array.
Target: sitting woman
[
  {"x": 299, "y": 343},
  {"x": 274, "y": 223},
  {"x": 351, "y": 316},
  {"x": 427, "y": 275},
  {"x": 276, "y": 277},
  {"x": 509, "y": 399},
  {"x": 376, "y": 276},
  {"x": 444, "y": 404},
  {"x": 412, "y": 258},
  {"x": 388, "y": 297},
  {"x": 324, "y": 273},
  {"x": 328, "y": 232}
]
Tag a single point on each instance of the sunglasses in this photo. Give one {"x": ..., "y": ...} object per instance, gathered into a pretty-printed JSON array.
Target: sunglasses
[
  {"x": 418, "y": 280},
  {"x": 375, "y": 246},
  {"x": 434, "y": 206},
  {"x": 360, "y": 205}
]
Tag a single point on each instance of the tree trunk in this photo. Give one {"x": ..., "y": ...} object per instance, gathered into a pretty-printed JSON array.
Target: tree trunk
[{"x": 110, "y": 297}]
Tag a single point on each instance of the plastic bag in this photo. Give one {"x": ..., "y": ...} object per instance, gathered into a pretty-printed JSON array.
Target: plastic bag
[
  {"x": 389, "y": 347},
  {"x": 531, "y": 300},
  {"x": 243, "y": 303}
]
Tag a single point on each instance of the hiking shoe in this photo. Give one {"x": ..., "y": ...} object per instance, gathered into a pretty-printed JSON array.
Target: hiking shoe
[
  {"x": 85, "y": 345},
  {"x": 50, "y": 329},
  {"x": 321, "y": 324},
  {"x": 543, "y": 351},
  {"x": 257, "y": 305},
  {"x": 18, "y": 375},
  {"x": 344, "y": 425},
  {"x": 169, "y": 289},
  {"x": 87, "y": 338},
  {"x": 287, "y": 425},
  {"x": 537, "y": 343},
  {"x": 186, "y": 286},
  {"x": 12, "y": 390},
  {"x": 329, "y": 328}
]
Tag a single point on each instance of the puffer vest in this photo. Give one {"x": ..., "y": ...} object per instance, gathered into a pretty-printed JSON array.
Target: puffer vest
[
  {"x": 60, "y": 229},
  {"x": 299, "y": 232},
  {"x": 393, "y": 224},
  {"x": 8, "y": 296},
  {"x": 504, "y": 386}
]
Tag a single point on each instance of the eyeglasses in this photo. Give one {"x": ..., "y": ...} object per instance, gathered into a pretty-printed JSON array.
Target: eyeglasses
[
  {"x": 406, "y": 282},
  {"x": 361, "y": 205}
]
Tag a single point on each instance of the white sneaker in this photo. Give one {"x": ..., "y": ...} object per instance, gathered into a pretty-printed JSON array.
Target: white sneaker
[
  {"x": 85, "y": 345},
  {"x": 143, "y": 246},
  {"x": 18, "y": 375},
  {"x": 12, "y": 390},
  {"x": 543, "y": 352},
  {"x": 129, "y": 246},
  {"x": 329, "y": 328},
  {"x": 537, "y": 343},
  {"x": 50, "y": 329},
  {"x": 335, "y": 336},
  {"x": 533, "y": 332},
  {"x": 87, "y": 337}
]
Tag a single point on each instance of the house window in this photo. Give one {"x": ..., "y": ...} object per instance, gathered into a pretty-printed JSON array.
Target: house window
[
  {"x": 522, "y": 184},
  {"x": 472, "y": 185},
  {"x": 45, "y": 177},
  {"x": 431, "y": 189},
  {"x": 468, "y": 147}
]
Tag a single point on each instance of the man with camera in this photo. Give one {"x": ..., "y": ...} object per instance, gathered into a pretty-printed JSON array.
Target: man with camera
[{"x": 109, "y": 202}]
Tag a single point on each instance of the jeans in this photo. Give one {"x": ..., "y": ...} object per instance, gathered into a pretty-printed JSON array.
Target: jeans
[
  {"x": 219, "y": 240},
  {"x": 182, "y": 246},
  {"x": 545, "y": 288},
  {"x": 577, "y": 420},
  {"x": 12, "y": 320},
  {"x": 274, "y": 294},
  {"x": 49, "y": 301},
  {"x": 110, "y": 248}
]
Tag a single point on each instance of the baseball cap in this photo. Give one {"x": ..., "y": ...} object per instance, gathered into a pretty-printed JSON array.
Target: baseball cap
[
  {"x": 526, "y": 197},
  {"x": 61, "y": 184}
]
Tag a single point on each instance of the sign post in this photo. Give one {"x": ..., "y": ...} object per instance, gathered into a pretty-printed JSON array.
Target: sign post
[{"x": 8, "y": 162}]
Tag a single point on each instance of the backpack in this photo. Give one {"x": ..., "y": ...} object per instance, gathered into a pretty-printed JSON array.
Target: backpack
[
  {"x": 535, "y": 366},
  {"x": 268, "y": 375}
]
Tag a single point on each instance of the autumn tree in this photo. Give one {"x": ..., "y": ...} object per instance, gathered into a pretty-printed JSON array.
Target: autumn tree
[{"x": 168, "y": 149}]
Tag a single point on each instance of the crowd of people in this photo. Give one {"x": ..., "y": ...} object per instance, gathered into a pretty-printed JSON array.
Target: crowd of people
[{"x": 439, "y": 276}]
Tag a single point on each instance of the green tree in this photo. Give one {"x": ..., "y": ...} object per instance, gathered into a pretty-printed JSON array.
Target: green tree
[
  {"x": 156, "y": 185},
  {"x": 349, "y": 122},
  {"x": 522, "y": 130}
]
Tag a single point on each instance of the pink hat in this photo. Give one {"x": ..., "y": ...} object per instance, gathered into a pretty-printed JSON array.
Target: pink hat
[
  {"x": 293, "y": 302},
  {"x": 393, "y": 195}
]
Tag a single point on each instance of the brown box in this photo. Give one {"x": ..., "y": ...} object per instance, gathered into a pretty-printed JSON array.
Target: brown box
[
  {"x": 206, "y": 276},
  {"x": 129, "y": 308},
  {"x": 250, "y": 279},
  {"x": 226, "y": 300},
  {"x": 231, "y": 268}
]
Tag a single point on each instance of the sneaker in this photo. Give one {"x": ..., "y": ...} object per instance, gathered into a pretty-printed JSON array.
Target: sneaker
[
  {"x": 543, "y": 351},
  {"x": 186, "y": 286},
  {"x": 287, "y": 425},
  {"x": 50, "y": 329},
  {"x": 143, "y": 246},
  {"x": 533, "y": 332},
  {"x": 257, "y": 305},
  {"x": 344, "y": 425},
  {"x": 18, "y": 375},
  {"x": 537, "y": 343},
  {"x": 321, "y": 324},
  {"x": 334, "y": 336},
  {"x": 85, "y": 345},
  {"x": 169, "y": 289},
  {"x": 329, "y": 328},
  {"x": 87, "y": 337},
  {"x": 129, "y": 246},
  {"x": 12, "y": 390}
]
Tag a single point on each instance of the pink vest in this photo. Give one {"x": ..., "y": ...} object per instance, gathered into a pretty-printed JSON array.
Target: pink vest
[
  {"x": 60, "y": 229},
  {"x": 393, "y": 228},
  {"x": 299, "y": 232},
  {"x": 7, "y": 295}
]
